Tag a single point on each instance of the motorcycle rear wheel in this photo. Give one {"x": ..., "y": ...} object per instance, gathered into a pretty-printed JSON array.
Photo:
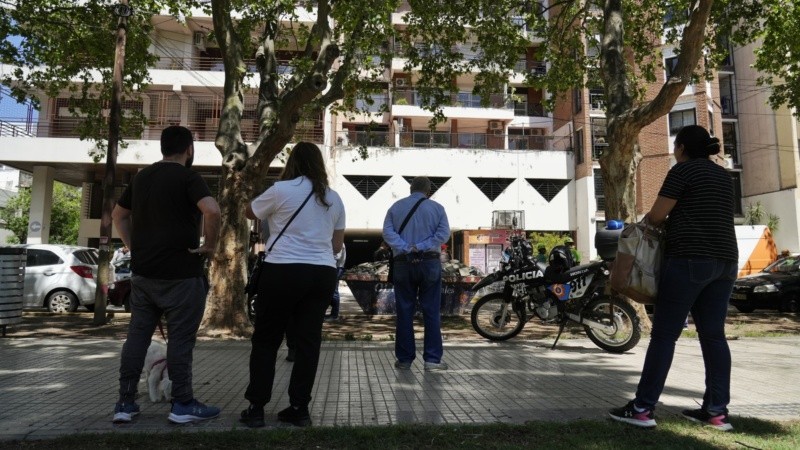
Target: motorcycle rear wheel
[
  {"x": 494, "y": 319},
  {"x": 622, "y": 317}
]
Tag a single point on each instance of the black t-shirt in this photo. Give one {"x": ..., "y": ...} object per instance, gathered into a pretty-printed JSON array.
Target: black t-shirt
[
  {"x": 166, "y": 221},
  {"x": 701, "y": 223}
]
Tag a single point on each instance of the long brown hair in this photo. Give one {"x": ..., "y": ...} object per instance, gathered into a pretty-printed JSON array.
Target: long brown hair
[{"x": 305, "y": 159}]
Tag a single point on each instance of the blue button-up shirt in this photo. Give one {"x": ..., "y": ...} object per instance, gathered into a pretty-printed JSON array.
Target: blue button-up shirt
[{"x": 427, "y": 229}]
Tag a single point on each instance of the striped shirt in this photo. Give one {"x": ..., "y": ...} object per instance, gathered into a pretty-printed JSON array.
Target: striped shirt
[{"x": 701, "y": 223}]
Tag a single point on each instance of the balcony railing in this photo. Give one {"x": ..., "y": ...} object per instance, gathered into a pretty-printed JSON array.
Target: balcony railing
[
  {"x": 9, "y": 129},
  {"x": 529, "y": 109},
  {"x": 531, "y": 67},
  {"x": 460, "y": 99},
  {"x": 204, "y": 63},
  {"x": 444, "y": 139}
]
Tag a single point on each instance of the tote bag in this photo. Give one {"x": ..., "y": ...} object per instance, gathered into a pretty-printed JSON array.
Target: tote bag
[{"x": 638, "y": 262}]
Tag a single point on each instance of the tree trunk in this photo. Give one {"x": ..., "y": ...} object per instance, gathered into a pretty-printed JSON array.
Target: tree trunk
[
  {"x": 618, "y": 168},
  {"x": 226, "y": 302}
]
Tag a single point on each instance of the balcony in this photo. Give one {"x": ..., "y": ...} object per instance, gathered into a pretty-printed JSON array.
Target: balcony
[
  {"x": 452, "y": 140},
  {"x": 531, "y": 67},
  {"x": 460, "y": 99},
  {"x": 529, "y": 109},
  {"x": 210, "y": 64}
]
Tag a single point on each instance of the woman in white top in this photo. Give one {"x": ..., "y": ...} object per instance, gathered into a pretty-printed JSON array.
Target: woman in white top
[{"x": 297, "y": 280}]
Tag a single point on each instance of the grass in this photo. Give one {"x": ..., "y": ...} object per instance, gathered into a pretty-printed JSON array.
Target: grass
[{"x": 671, "y": 433}]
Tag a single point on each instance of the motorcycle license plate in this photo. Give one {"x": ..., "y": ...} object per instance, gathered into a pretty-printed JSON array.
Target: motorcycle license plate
[{"x": 736, "y": 296}]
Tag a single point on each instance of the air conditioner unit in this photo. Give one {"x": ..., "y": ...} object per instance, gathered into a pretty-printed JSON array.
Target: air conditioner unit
[
  {"x": 400, "y": 82},
  {"x": 495, "y": 125},
  {"x": 200, "y": 40}
]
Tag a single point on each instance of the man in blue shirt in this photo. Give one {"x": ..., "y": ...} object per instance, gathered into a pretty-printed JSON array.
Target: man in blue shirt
[{"x": 417, "y": 273}]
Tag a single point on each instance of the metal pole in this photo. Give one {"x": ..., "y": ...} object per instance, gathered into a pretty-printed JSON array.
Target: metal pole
[{"x": 123, "y": 11}]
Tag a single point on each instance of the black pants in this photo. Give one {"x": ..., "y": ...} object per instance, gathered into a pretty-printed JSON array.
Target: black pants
[
  {"x": 297, "y": 295},
  {"x": 182, "y": 302}
]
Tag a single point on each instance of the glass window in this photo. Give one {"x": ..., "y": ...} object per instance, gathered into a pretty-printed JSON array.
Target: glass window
[
  {"x": 87, "y": 256},
  {"x": 680, "y": 119},
  {"x": 38, "y": 257},
  {"x": 669, "y": 66}
]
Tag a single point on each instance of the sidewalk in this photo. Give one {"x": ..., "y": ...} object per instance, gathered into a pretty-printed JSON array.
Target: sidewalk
[{"x": 55, "y": 387}]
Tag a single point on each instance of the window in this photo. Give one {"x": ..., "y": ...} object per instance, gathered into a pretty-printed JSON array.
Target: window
[
  {"x": 492, "y": 187},
  {"x": 577, "y": 100},
  {"x": 367, "y": 185},
  {"x": 547, "y": 187},
  {"x": 599, "y": 143},
  {"x": 726, "y": 98},
  {"x": 577, "y": 146},
  {"x": 669, "y": 66},
  {"x": 711, "y": 123},
  {"x": 736, "y": 179},
  {"x": 599, "y": 190},
  {"x": 436, "y": 182},
  {"x": 38, "y": 257},
  {"x": 730, "y": 144},
  {"x": 680, "y": 119}
]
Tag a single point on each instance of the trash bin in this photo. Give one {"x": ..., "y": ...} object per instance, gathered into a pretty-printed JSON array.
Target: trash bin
[{"x": 12, "y": 285}]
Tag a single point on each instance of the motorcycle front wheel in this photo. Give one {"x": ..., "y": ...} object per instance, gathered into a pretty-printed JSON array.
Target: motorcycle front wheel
[
  {"x": 494, "y": 319},
  {"x": 618, "y": 314}
]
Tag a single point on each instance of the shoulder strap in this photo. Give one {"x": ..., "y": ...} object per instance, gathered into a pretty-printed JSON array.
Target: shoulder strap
[
  {"x": 410, "y": 213},
  {"x": 291, "y": 219}
]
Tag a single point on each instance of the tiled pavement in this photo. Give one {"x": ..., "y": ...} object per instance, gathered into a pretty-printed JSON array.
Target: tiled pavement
[{"x": 52, "y": 387}]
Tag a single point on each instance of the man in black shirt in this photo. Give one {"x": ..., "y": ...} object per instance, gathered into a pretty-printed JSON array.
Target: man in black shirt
[{"x": 158, "y": 218}]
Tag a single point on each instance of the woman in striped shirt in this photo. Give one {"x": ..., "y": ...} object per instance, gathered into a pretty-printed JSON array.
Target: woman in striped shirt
[{"x": 696, "y": 206}]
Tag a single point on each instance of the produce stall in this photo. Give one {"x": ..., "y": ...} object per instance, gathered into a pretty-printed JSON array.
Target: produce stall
[{"x": 375, "y": 295}]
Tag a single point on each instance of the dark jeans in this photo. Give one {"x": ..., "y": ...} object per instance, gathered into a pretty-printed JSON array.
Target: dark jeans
[
  {"x": 421, "y": 280},
  {"x": 336, "y": 299},
  {"x": 299, "y": 294},
  {"x": 182, "y": 302},
  {"x": 702, "y": 287}
]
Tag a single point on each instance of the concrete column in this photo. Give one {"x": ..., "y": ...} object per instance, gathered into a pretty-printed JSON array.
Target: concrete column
[{"x": 41, "y": 205}]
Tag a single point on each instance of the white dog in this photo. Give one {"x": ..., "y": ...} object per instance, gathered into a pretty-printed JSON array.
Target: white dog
[{"x": 156, "y": 373}]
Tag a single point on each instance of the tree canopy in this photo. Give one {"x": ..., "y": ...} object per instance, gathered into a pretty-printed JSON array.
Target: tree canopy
[
  {"x": 64, "y": 215},
  {"x": 340, "y": 51}
]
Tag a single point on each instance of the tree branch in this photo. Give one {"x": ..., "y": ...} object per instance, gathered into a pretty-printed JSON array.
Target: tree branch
[{"x": 690, "y": 51}]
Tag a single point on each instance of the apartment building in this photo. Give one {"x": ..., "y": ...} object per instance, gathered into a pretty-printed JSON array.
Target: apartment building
[{"x": 512, "y": 156}]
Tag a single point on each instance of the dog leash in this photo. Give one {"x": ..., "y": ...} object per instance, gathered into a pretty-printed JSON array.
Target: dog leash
[{"x": 161, "y": 329}]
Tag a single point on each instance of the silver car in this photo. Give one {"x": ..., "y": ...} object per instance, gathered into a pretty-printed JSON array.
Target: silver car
[{"x": 60, "y": 277}]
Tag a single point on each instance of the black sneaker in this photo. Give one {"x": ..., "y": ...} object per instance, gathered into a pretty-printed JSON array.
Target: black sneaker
[
  {"x": 253, "y": 416},
  {"x": 629, "y": 414},
  {"x": 720, "y": 421},
  {"x": 297, "y": 416}
]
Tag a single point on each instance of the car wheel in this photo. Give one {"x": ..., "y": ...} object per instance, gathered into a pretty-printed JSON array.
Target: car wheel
[
  {"x": 790, "y": 306},
  {"x": 127, "y": 303},
  {"x": 745, "y": 308},
  {"x": 61, "y": 302}
]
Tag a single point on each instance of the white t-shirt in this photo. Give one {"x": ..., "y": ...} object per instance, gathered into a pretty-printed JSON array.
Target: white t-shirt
[{"x": 307, "y": 240}]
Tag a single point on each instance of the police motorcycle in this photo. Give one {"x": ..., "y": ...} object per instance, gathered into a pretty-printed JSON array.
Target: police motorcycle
[{"x": 522, "y": 290}]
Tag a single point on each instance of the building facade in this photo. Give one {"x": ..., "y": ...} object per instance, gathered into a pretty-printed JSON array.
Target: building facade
[{"x": 510, "y": 156}]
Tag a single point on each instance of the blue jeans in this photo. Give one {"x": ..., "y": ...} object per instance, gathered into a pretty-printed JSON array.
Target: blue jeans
[
  {"x": 336, "y": 299},
  {"x": 702, "y": 287},
  {"x": 421, "y": 280}
]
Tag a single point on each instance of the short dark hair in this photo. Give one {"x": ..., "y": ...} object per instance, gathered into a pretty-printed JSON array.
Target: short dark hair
[
  {"x": 175, "y": 140},
  {"x": 696, "y": 141},
  {"x": 421, "y": 184}
]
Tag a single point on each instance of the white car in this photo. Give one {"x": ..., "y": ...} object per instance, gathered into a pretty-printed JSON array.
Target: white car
[{"x": 60, "y": 277}]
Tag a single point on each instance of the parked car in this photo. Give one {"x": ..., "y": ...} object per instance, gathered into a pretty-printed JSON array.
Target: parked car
[
  {"x": 60, "y": 277},
  {"x": 775, "y": 287},
  {"x": 119, "y": 293}
]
